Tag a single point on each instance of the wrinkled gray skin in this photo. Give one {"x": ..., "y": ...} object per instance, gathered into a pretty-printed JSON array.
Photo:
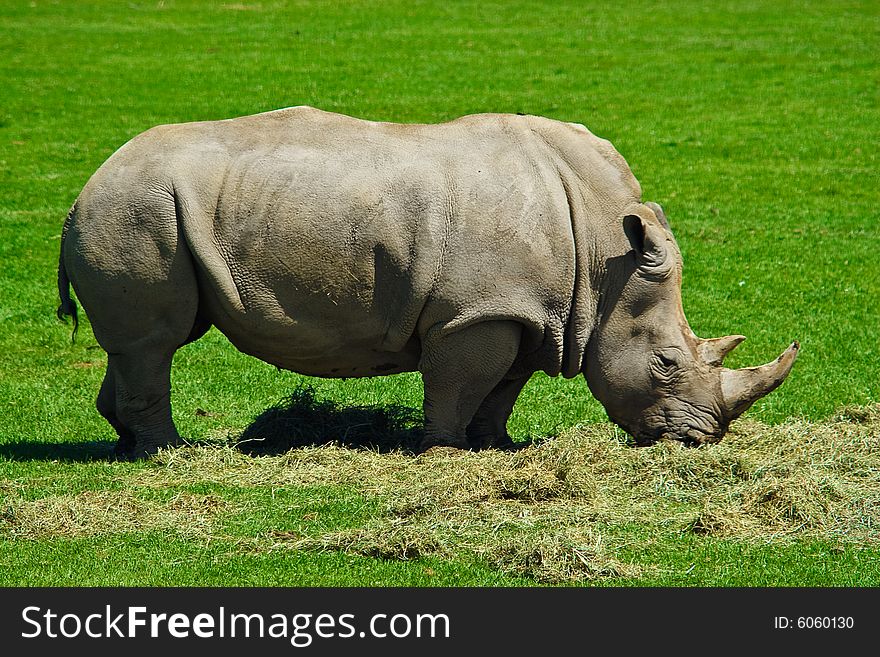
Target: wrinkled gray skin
[{"x": 477, "y": 252}]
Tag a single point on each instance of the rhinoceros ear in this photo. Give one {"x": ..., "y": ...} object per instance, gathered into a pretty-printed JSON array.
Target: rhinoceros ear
[
  {"x": 658, "y": 212},
  {"x": 648, "y": 240}
]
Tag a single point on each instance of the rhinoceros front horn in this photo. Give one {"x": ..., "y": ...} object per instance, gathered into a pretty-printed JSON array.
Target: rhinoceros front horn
[{"x": 742, "y": 388}]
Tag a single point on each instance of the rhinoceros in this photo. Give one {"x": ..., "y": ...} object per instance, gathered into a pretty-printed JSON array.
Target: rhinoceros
[{"x": 477, "y": 252}]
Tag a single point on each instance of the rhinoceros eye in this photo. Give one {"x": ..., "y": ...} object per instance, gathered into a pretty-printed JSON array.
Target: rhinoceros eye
[{"x": 665, "y": 363}]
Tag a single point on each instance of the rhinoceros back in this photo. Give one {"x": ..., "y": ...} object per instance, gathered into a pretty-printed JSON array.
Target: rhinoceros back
[{"x": 329, "y": 245}]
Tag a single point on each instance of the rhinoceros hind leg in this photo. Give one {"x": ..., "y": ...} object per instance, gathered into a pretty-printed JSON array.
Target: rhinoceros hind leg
[
  {"x": 143, "y": 402},
  {"x": 489, "y": 427},
  {"x": 106, "y": 405},
  {"x": 459, "y": 371},
  {"x": 133, "y": 274},
  {"x": 140, "y": 333}
]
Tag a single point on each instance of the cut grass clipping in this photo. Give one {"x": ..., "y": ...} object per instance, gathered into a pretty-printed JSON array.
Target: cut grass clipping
[
  {"x": 556, "y": 511},
  {"x": 95, "y": 513}
]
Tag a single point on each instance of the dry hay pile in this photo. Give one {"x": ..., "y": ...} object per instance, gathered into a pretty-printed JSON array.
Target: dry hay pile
[
  {"x": 560, "y": 510},
  {"x": 557, "y": 511},
  {"x": 94, "y": 513}
]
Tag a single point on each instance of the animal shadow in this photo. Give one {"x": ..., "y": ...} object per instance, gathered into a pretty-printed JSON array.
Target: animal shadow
[
  {"x": 66, "y": 452},
  {"x": 301, "y": 420}
]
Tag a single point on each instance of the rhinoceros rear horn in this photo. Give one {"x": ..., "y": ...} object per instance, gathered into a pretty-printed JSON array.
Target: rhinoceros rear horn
[
  {"x": 742, "y": 388},
  {"x": 714, "y": 350}
]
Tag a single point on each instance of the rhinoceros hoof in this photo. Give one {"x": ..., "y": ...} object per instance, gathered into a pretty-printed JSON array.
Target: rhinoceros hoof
[
  {"x": 146, "y": 450},
  {"x": 493, "y": 442},
  {"x": 501, "y": 442},
  {"x": 124, "y": 449},
  {"x": 122, "y": 455},
  {"x": 435, "y": 442}
]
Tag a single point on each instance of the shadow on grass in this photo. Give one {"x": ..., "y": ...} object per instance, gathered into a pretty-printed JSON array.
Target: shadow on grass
[
  {"x": 83, "y": 452},
  {"x": 301, "y": 420}
]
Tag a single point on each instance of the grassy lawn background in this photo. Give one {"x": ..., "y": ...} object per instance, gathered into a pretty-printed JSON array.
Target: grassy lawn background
[{"x": 753, "y": 124}]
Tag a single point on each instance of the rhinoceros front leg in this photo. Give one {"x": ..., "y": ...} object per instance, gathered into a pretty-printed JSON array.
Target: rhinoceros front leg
[
  {"x": 460, "y": 370},
  {"x": 489, "y": 426}
]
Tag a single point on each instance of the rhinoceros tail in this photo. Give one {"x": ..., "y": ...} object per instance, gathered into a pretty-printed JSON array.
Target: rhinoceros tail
[{"x": 68, "y": 305}]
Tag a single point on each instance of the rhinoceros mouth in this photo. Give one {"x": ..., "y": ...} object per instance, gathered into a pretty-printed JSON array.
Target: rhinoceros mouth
[
  {"x": 690, "y": 424},
  {"x": 687, "y": 436},
  {"x": 693, "y": 438}
]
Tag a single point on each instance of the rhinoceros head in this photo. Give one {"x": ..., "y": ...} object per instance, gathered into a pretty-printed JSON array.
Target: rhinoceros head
[{"x": 655, "y": 377}]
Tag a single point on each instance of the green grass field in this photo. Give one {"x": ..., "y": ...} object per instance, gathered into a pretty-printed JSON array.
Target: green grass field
[{"x": 754, "y": 124}]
